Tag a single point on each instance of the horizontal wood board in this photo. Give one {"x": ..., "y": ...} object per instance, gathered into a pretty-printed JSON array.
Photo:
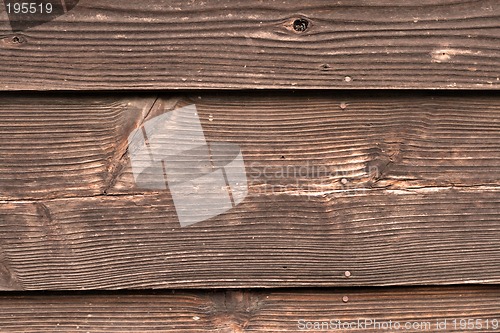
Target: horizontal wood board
[
  {"x": 64, "y": 146},
  {"x": 407, "y": 193},
  {"x": 253, "y": 311},
  {"x": 355, "y": 44}
]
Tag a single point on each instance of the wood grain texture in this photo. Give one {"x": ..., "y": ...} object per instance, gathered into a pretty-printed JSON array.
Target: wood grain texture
[
  {"x": 383, "y": 237},
  {"x": 331, "y": 141},
  {"x": 395, "y": 188},
  {"x": 63, "y": 146},
  {"x": 248, "y": 311},
  {"x": 108, "y": 45},
  {"x": 54, "y": 147}
]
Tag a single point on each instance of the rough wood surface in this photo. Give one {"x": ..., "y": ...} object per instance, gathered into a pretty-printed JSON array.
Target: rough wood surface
[
  {"x": 452, "y": 44},
  {"x": 383, "y": 237},
  {"x": 62, "y": 146},
  {"x": 253, "y": 311},
  {"x": 311, "y": 142},
  {"x": 55, "y": 147},
  {"x": 397, "y": 189}
]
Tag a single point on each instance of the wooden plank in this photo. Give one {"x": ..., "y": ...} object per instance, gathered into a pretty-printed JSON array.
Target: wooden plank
[
  {"x": 254, "y": 311},
  {"x": 301, "y": 141},
  {"x": 382, "y": 237},
  {"x": 108, "y": 45},
  {"x": 396, "y": 189}
]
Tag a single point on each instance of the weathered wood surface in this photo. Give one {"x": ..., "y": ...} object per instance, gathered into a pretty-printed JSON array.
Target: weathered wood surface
[
  {"x": 451, "y": 44},
  {"x": 382, "y": 237},
  {"x": 253, "y": 311},
  {"x": 62, "y": 146},
  {"x": 397, "y": 190}
]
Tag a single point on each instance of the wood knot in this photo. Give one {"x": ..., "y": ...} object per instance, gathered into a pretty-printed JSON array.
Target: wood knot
[
  {"x": 300, "y": 25},
  {"x": 13, "y": 41}
]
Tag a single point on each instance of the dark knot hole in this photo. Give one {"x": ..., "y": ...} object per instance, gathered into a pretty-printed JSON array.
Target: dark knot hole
[{"x": 300, "y": 25}]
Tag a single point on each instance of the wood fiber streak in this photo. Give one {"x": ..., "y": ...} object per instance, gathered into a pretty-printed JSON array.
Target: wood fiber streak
[
  {"x": 382, "y": 237},
  {"x": 246, "y": 311},
  {"x": 355, "y": 44}
]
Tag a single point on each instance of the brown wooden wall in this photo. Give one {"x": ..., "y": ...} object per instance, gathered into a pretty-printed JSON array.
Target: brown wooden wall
[{"x": 391, "y": 109}]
